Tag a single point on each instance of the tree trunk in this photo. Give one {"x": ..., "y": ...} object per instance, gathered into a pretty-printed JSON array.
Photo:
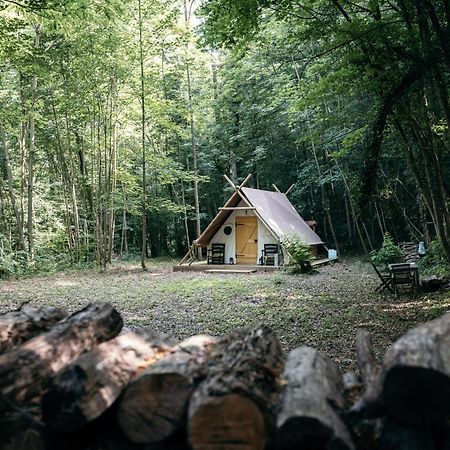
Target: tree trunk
[
  {"x": 198, "y": 230},
  {"x": 37, "y": 30},
  {"x": 86, "y": 388},
  {"x": 17, "y": 327},
  {"x": 306, "y": 418},
  {"x": 12, "y": 195},
  {"x": 416, "y": 374},
  {"x": 26, "y": 371},
  {"x": 144, "y": 186},
  {"x": 236, "y": 403},
  {"x": 154, "y": 406}
]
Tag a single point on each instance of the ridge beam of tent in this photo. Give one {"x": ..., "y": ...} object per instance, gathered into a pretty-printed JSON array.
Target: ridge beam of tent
[{"x": 237, "y": 208}]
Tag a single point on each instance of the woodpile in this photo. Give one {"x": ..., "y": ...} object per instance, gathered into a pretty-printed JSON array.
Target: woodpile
[{"x": 76, "y": 383}]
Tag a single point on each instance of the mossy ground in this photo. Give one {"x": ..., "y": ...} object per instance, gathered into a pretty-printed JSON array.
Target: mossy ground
[{"x": 323, "y": 310}]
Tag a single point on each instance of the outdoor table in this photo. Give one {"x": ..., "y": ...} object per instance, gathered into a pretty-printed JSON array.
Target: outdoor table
[{"x": 414, "y": 270}]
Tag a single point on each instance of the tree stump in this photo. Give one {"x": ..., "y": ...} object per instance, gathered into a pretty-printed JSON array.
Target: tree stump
[
  {"x": 306, "y": 419},
  {"x": 154, "y": 406},
  {"x": 83, "y": 390},
  {"x": 17, "y": 327},
  {"x": 416, "y": 374},
  {"x": 26, "y": 371},
  {"x": 234, "y": 407}
]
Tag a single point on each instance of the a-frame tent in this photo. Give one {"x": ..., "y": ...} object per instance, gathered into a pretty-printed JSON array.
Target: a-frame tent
[{"x": 250, "y": 219}]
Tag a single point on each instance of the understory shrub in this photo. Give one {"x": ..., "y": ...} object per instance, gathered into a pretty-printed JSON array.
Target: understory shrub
[
  {"x": 434, "y": 262},
  {"x": 299, "y": 252},
  {"x": 389, "y": 252}
]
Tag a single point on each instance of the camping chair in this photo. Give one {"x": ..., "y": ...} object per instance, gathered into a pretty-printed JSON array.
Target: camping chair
[
  {"x": 386, "y": 280},
  {"x": 216, "y": 254},
  {"x": 402, "y": 275},
  {"x": 268, "y": 254}
]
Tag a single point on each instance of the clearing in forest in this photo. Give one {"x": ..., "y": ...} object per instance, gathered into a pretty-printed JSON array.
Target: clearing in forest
[{"x": 322, "y": 310}]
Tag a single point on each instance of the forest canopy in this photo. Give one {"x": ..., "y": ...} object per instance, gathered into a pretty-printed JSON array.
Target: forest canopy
[{"x": 119, "y": 119}]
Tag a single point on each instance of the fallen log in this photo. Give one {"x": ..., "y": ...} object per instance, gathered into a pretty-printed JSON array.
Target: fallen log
[
  {"x": 26, "y": 371},
  {"x": 153, "y": 407},
  {"x": 18, "y": 326},
  {"x": 306, "y": 419},
  {"x": 416, "y": 374},
  {"x": 83, "y": 390},
  {"x": 397, "y": 436},
  {"x": 234, "y": 407},
  {"x": 369, "y": 404}
]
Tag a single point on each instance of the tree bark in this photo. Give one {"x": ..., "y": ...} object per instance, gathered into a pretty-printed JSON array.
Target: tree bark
[
  {"x": 306, "y": 419},
  {"x": 369, "y": 405},
  {"x": 12, "y": 195},
  {"x": 144, "y": 186},
  {"x": 32, "y": 149},
  {"x": 26, "y": 371},
  {"x": 83, "y": 390},
  {"x": 17, "y": 327},
  {"x": 236, "y": 403},
  {"x": 192, "y": 128},
  {"x": 154, "y": 406},
  {"x": 415, "y": 374}
]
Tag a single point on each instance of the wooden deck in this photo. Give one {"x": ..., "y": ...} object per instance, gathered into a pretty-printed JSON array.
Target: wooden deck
[{"x": 202, "y": 266}]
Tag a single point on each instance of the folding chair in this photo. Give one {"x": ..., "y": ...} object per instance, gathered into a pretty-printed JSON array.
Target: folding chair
[{"x": 386, "y": 280}]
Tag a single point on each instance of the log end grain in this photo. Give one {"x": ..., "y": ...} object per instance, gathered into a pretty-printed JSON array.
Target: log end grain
[
  {"x": 228, "y": 422},
  {"x": 146, "y": 413}
]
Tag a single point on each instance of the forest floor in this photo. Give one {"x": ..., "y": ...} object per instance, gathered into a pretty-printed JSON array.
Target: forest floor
[{"x": 323, "y": 310}]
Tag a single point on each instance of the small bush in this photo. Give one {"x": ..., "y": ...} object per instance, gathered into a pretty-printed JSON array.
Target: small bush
[
  {"x": 299, "y": 252},
  {"x": 435, "y": 262},
  {"x": 389, "y": 252}
]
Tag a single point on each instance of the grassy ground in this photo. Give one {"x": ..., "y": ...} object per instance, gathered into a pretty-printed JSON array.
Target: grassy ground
[{"x": 322, "y": 310}]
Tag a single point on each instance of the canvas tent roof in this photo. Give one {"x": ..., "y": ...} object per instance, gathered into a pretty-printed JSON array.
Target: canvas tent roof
[{"x": 273, "y": 208}]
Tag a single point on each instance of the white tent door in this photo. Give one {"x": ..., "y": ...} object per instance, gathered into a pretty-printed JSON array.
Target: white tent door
[{"x": 246, "y": 239}]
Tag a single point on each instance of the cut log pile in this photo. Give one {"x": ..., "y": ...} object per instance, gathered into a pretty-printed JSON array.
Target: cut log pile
[{"x": 76, "y": 383}]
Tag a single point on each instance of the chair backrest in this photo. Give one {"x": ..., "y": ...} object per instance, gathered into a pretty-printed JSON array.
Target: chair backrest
[
  {"x": 270, "y": 249},
  {"x": 218, "y": 248},
  {"x": 377, "y": 271},
  {"x": 402, "y": 273}
]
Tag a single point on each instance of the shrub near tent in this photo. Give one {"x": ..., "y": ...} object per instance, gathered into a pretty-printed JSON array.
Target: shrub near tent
[{"x": 300, "y": 255}]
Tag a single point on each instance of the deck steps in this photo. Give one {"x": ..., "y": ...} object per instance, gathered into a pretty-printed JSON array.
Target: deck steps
[{"x": 230, "y": 271}]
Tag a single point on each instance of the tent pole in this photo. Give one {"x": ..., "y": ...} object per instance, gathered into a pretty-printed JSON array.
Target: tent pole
[
  {"x": 230, "y": 182},
  {"x": 245, "y": 181}
]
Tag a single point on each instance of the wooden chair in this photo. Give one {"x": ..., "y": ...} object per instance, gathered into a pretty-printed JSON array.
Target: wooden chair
[
  {"x": 268, "y": 254},
  {"x": 216, "y": 254},
  {"x": 386, "y": 280},
  {"x": 402, "y": 275}
]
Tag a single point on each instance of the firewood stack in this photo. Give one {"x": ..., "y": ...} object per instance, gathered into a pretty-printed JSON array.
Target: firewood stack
[{"x": 76, "y": 383}]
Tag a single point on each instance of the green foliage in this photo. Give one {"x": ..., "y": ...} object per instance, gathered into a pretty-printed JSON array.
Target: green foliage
[
  {"x": 389, "y": 252},
  {"x": 434, "y": 262},
  {"x": 299, "y": 252}
]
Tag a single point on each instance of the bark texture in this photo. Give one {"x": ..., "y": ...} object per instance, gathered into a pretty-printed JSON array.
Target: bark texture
[
  {"x": 235, "y": 405},
  {"x": 17, "y": 327},
  {"x": 26, "y": 371},
  {"x": 85, "y": 389},
  {"x": 154, "y": 406},
  {"x": 310, "y": 403},
  {"x": 416, "y": 374}
]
